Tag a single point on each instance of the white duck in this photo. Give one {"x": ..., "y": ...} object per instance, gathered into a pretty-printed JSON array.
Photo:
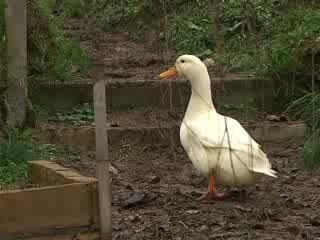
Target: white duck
[{"x": 218, "y": 146}]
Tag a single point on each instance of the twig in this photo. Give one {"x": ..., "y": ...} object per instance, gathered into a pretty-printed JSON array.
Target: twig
[
  {"x": 266, "y": 214},
  {"x": 184, "y": 225},
  {"x": 302, "y": 226},
  {"x": 227, "y": 235},
  {"x": 316, "y": 201},
  {"x": 186, "y": 194}
]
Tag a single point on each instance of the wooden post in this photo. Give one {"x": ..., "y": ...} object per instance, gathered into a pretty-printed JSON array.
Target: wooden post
[
  {"x": 215, "y": 9},
  {"x": 102, "y": 160},
  {"x": 16, "y": 26}
]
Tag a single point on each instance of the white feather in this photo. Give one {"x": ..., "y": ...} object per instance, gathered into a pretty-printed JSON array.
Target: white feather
[{"x": 215, "y": 143}]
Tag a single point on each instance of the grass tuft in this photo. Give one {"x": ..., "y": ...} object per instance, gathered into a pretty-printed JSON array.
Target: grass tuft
[
  {"x": 15, "y": 154},
  {"x": 52, "y": 55},
  {"x": 307, "y": 108},
  {"x": 311, "y": 151}
]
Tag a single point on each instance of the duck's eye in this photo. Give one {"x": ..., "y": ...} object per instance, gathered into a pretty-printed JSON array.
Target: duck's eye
[{"x": 182, "y": 61}]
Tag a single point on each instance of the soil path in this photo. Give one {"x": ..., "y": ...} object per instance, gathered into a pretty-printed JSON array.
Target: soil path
[
  {"x": 154, "y": 197},
  {"x": 116, "y": 55}
]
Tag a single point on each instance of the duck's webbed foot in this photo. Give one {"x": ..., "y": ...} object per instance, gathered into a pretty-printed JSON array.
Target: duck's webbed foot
[{"x": 212, "y": 194}]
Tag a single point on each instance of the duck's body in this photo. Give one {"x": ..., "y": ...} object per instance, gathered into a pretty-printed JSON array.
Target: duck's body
[
  {"x": 224, "y": 149},
  {"x": 218, "y": 146}
]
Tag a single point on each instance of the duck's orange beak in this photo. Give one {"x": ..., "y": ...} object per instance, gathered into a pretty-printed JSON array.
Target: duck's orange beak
[{"x": 172, "y": 72}]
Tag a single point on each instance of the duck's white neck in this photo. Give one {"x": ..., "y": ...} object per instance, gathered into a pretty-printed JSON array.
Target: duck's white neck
[{"x": 201, "y": 98}]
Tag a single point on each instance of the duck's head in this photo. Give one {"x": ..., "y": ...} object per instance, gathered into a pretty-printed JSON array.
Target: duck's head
[{"x": 187, "y": 66}]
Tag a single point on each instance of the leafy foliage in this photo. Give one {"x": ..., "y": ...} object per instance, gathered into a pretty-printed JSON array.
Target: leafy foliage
[
  {"x": 307, "y": 108},
  {"x": 289, "y": 33},
  {"x": 82, "y": 113},
  {"x": 180, "y": 30},
  {"x": 51, "y": 53},
  {"x": 17, "y": 150},
  {"x": 74, "y": 8},
  {"x": 14, "y": 155},
  {"x": 311, "y": 151},
  {"x": 245, "y": 111},
  {"x": 261, "y": 36},
  {"x": 70, "y": 58}
]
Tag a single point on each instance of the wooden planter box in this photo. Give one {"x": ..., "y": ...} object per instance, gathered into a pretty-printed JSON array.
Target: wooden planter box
[{"x": 64, "y": 200}]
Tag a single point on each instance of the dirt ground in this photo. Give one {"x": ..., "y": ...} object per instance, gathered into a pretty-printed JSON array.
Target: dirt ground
[
  {"x": 115, "y": 56},
  {"x": 154, "y": 197},
  {"x": 155, "y": 188}
]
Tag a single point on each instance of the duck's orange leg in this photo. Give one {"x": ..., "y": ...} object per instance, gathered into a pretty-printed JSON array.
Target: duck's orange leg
[{"x": 212, "y": 193}]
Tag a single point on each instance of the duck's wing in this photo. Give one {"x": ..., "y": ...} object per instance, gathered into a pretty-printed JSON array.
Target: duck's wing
[{"x": 215, "y": 131}]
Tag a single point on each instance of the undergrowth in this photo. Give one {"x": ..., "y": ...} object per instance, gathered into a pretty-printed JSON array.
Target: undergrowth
[
  {"x": 261, "y": 36},
  {"x": 307, "y": 108},
  {"x": 270, "y": 49},
  {"x": 82, "y": 113},
  {"x": 78, "y": 115},
  {"x": 14, "y": 155},
  {"x": 17, "y": 150},
  {"x": 52, "y": 55}
]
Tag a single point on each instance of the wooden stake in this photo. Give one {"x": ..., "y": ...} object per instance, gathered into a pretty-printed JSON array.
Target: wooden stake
[{"x": 102, "y": 160}]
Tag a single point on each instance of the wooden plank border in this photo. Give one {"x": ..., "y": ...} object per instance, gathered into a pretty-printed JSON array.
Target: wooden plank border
[{"x": 47, "y": 209}]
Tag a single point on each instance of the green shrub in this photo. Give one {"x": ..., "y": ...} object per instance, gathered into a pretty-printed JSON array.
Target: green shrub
[
  {"x": 17, "y": 149},
  {"x": 75, "y": 8},
  {"x": 14, "y": 155},
  {"x": 70, "y": 59},
  {"x": 190, "y": 35},
  {"x": 311, "y": 151},
  {"x": 51, "y": 54},
  {"x": 307, "y": 108}
]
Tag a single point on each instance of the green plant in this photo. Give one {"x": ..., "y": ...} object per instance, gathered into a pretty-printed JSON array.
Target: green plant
[
  {"x": 311, "y": 151},
  {"x": 190, "y": 35},
  {"x": 70, "y": 59},
  {"x": 52, "y": 54},
  {"x": 247, "y": 110},
  {"x": 84, "y": 112},
  {"x": 18, "y": 148},
  {"x": 120, "y": 12},
  {"x": 77, "y": 8},
  {"x": 15, "y": 152},
  {"x": 46, "y": 7},
  {"x": 307, "y": 108},
  {"x": 42, "y": 112},
  {"x": 288, "y": 34},
  {"x": 48, "y": 151}
]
